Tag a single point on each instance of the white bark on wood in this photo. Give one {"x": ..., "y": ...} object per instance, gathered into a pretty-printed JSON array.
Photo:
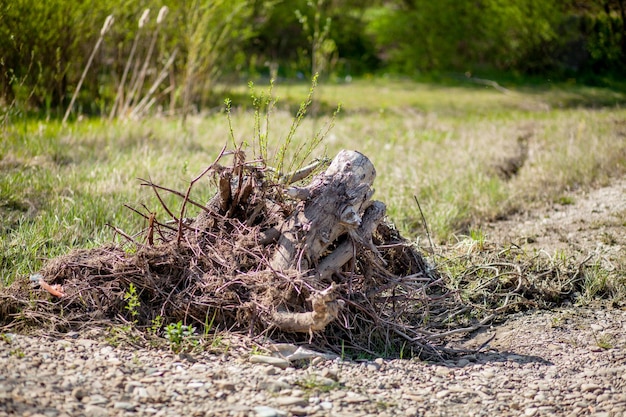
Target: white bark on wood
[
  {"x": 332, "y": 205},
  {"x": 345, "y": 251}
]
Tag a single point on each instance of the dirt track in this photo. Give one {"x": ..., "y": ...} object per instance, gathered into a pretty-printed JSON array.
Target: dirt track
[{"x": 583, "y": 222}]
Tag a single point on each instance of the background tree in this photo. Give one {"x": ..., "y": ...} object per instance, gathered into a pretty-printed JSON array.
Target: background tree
[{"x": 44, "y": 45}]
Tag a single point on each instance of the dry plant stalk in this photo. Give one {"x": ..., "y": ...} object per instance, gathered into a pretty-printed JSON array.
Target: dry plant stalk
[
  {"x": 139, "y": 77},
  {"x": 108, "y": 22},
  {"x": 119, "y": 98}
]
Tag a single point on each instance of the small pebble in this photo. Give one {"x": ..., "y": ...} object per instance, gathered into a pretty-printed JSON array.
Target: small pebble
[
  {"x": 372, "y": 367},
  {"x": 411, "y": 412},
  {"x": 270, "y": 360},
  {"x": 589, "y": 387},
  {"x": 330, "y": 374},
  {"x": 123, "y": 405},
  {"x": 299, "y": 411},
  {"x": 442, "y": 394},
  {"x": 326, "y": 405},
  {"x": 79, "y": 393},
  {"x": 96, "y": 411},
  {"x": 530, "y": 411},
  {"x": 288, "y": 401},
  {"x": 462, "y": 362},
  {"x": 264, "y": 411}
]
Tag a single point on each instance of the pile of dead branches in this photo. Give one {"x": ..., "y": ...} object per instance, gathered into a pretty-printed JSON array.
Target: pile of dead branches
[{"x": 292, "y": 256}]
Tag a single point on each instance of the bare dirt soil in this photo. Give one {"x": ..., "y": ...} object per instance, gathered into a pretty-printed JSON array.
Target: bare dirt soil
[{"x": 580, "y": 223}]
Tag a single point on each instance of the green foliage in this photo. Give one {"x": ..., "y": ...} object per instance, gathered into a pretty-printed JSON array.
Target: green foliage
[
  {"x": 156, "y": 325},
  {"x": 302, "y": 151},
  {"x": 263, "y": 106},
  {"x": 461, "y": 35},
  {"x": 132, "y": 301},
  {"x": 256, "y": 350},
  {"x": 297, "y": 121},
  {"x": 17, "y": 352},
  {"x": 119, "y": 335},
  {"x": 604, "y": 341},
  {"x": 287, "y": 156},
  {"x": 44, "y": 46},
  {"x": 601, "y": 282},
  {"x": 317, "y": 30},
  {"x": 478, "y": 238},
  {"x": 606, "y": 41},
  {"x": 180, "y": 336},
  {"x": 210, "y": 29},
  {"x": 565, "y": 200},
  {"x": 35, "y": 48},
  {"x": 529, "y": 36}
]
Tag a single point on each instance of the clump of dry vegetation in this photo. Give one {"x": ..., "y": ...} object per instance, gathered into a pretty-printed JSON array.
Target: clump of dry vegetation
[
  {"x": 256, "y": 260},
  {"x": 313, "y": 263}
]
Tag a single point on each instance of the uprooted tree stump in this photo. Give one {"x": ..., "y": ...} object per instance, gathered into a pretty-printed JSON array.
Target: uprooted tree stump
[{"x": 309, "y": 262}]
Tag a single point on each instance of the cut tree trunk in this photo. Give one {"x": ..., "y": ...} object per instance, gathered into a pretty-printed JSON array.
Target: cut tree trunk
[
  {"x": 334, "y": 212},
  {"x": 331, "y": 206}
]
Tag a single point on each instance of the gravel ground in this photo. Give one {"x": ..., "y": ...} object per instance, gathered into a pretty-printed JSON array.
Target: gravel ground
[{"x": 566, "y": 362}]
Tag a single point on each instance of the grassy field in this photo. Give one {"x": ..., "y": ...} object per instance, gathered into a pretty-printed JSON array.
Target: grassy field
[{"x": 60, "y": 186}]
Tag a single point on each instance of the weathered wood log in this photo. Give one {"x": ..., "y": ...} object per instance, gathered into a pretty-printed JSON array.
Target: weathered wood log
[
  {"x": 331, "y": 205},
  {"x": 342, "y": 254}
]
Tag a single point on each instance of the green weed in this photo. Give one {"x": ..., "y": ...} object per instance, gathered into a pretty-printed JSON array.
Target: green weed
[
  {"x": 556, "y": 322},
  {"x": 132, "y": 302},
  {"x": 402, "y": 350},
  {"x": 17, "y": 352},
  {"x": 565, "y": 200},
  {"x": 180, "y": 336},
  {"x": 136, "y": 361},
  {"x": 478, "y": 239},
  {"x": 383, "y": 405},
  {"x": 256, "y": 350},
  {"x": 604, "y": 342},
  {"x": 156, "y": 325},
  {"x": 608, "y": 239},
  {"x": 219, "y": 345},
  {"x": 602, "y": 282},
  {"x": 122, "y": 334}
]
